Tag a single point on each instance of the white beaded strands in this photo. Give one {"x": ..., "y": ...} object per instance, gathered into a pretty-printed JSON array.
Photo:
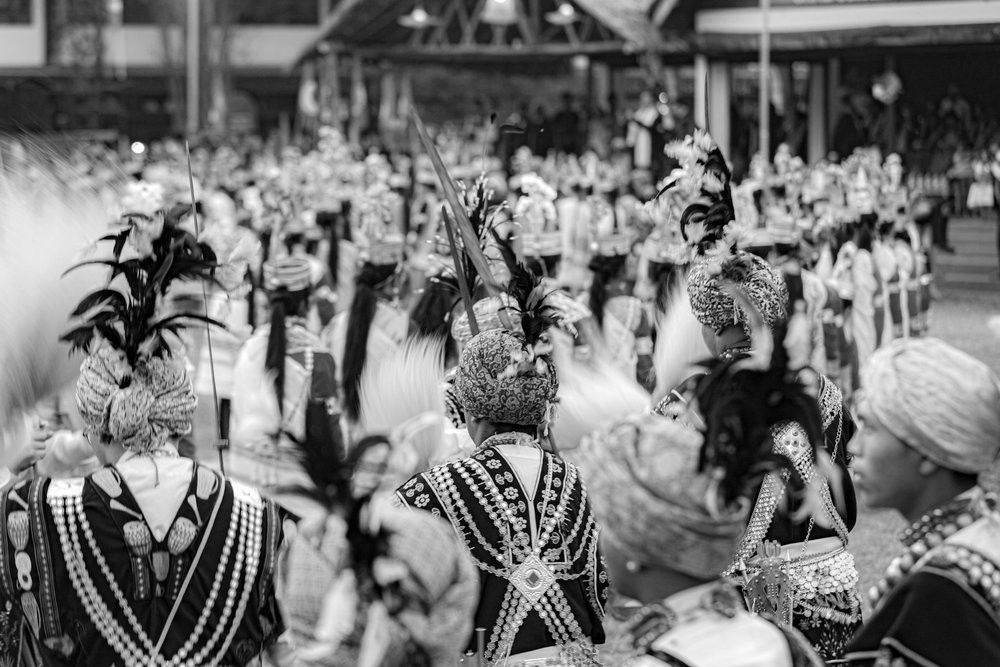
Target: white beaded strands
[
  {"x": 526, "y": 563},
  {"x": 136, "y": 648}
]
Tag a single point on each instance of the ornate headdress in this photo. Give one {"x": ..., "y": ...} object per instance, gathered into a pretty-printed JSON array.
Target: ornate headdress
[
  {"x": 133, "y": 387},
  {"x": 507, "y": 375},
  {"x": 540, "y": 233},
  {"x": 719, "y": 268}
]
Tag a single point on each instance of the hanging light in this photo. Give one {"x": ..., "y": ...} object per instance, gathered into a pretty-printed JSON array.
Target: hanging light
[
  {"x": 418, "y": 18},
  {"x": 499, "y": 12},
  {"x": 564, "y": 15}
]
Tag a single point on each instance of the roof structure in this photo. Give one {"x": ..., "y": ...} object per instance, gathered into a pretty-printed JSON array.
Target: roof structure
[{"x": 488, "y": 29}]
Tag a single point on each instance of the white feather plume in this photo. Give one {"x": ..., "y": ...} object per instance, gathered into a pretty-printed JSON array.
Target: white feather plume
[
  {"x": 591, "y": 394},
  {"x": 402, "y": 397},
  {"x": 255, "y": 414},
  {"x": 46, "y": 225},
  {"x": 994, "y": 324},
  {"x": 680, "y": 345}
]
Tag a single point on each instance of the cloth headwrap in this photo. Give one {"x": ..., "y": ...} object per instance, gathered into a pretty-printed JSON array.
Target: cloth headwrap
[
  {"x": 936, "y": 399},
  {"x": 425, "y": 566},
  {"x": 762, "y": 284},
  {"x": 441, "y": 583},
  {"x": 139, "y": 408},
  {"x": 488, "y": 389},
  {"x": 653, "y": 504},
  {"x": 292, "y": 273}
]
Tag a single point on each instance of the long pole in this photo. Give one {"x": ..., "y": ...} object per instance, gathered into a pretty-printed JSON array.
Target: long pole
[
  {"x": 765, "y": 80},
  {"x": 193, "y": 66}
]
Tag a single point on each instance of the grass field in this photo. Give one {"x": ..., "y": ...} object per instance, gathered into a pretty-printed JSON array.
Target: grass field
[{"x": 959, "y": 318}]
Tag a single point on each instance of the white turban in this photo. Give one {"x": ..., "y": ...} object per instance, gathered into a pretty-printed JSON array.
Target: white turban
[
  {"x": 936, "y": 399},
  {"x": 139, "y": 408}
]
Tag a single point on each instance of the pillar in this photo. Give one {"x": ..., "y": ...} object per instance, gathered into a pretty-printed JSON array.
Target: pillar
[
  {"x": 701, "y": 90},
  {"x": 817, "y": 133},
  {"x": 833, "y": 106},
  {"x": 718, "y": 112},
  {"x": 601, "y": 81}
]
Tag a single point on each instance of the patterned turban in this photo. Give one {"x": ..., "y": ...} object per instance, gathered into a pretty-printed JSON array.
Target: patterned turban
[
  {"x": 139, "y": 409},
  {"x": 653, "y": 504},
  {"x": 936, "y": 399},
  {"x": 500, "y": 379},
  {"x": 760, "y": 282}
]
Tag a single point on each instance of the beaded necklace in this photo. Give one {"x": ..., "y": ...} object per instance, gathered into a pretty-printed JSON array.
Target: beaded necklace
[
  {"x": 136, "y": 647},
  {"x": 521, "y": 558},
  {"x": 929, "y": 532}
]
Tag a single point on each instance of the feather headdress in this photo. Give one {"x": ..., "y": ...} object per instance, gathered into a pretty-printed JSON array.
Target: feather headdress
[
  {"x": 401, "y": 398},
  {"x": 680, "y": 346},
  {"x": 134, "y": 321},
  {"x": 45, "y": 227},
  {"x": 592, "y": 394},
  {"x": 740, "y": 404},
  {"x": 530, "y": 295}
]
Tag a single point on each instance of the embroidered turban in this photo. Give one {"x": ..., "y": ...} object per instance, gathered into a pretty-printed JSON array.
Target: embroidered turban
[
  {"x": 653, "y": 504},
  {"x": 501, "y": 379},
  {"x": 138, "y": 408},
  {"x": 760, "y": 282},
  {"x": 936, "y": 399}
]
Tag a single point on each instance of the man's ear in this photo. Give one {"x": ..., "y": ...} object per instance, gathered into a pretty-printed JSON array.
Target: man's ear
[{"x": 927, "y": 467}]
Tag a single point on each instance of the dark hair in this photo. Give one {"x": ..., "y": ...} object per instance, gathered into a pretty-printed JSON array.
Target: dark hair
[
  {"x": 283, "y": 304},
  {"x": 327, "y": 220},
  {"x": 359, "y": 322},
  {"x": 865, "y": 231},
  {"x": 605, "y": 269},
  {"x": 431, "y": 316},
  {"x": 543, "y": 266},
  {"x": 666, "y": 276}
]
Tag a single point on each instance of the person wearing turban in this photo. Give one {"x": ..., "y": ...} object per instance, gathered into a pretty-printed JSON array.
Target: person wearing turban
[
  {"x": 153, "y": 558},
  {"x": 929, "y": 425},
  {"x": 674, "y": 502},
  {"x": 371, "y": 583},
  {"x": 285, "y": 399},
  {"x": 740, "y": 300},
  {"x": 522, "y": 511}
]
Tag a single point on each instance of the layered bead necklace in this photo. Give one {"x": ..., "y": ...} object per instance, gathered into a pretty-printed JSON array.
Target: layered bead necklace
[
  {"x": 136, "y": 647},
  {"x": 930, "y": 531},
  {"x": 520, "y": 559}
]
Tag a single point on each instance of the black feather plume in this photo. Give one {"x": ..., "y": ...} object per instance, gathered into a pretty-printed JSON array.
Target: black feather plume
[
  {"x": 129, "y": 320},
  {"x": 740, "y": 404},
  {"x": 529, "y": 293}
]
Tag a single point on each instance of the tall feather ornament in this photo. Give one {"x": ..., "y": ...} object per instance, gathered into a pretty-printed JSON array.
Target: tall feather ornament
[
  {"x": 401, "y": 397},
  {"x": 45, "y": 227},
  {"x": 680, "y": 346},
  {"x": 591, "y": 394}
]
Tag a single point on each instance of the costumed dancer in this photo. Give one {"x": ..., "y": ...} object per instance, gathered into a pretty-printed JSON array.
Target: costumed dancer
[
  {"x": 730, "y": 290},
  {"x": 153, "y": 559},
  {"x": 374, "y": 324},
  {"x": 285, "y": 395},
  {"x": 674, "y": 505},
  {"x": 240, "y": 251},
  {"x": 367, "y": 582},
  {"x": 623, "y": 319},
  {"x": 523, "y": 513},
  {"x": 929, "y": 418}
]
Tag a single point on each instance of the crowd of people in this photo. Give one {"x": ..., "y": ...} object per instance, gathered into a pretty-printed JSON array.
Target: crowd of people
[{"x": 564, "y": 413}]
